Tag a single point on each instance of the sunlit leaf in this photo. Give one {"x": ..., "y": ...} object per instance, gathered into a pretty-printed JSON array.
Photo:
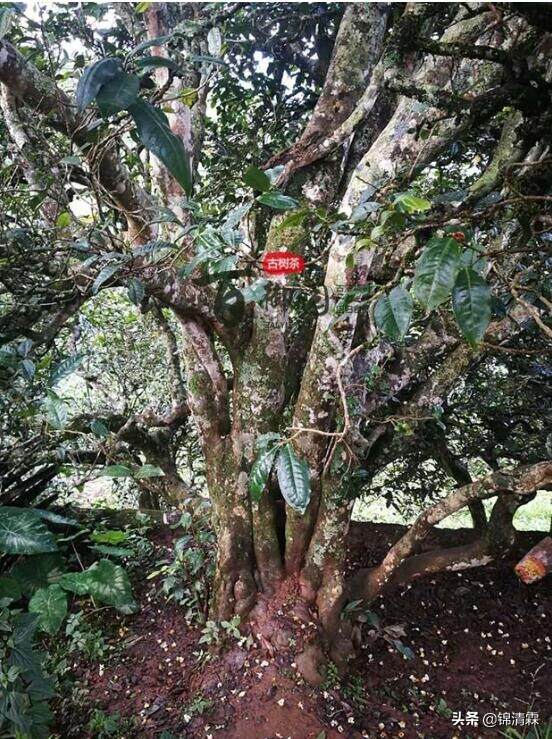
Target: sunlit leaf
[
  {"x": 50, "y": 604},
  {"x": 277, "y": 200},
  {"x": 148, "y": 470},
  {"x": 116, "y": 470},
  {"x": 22, "y": 532}
]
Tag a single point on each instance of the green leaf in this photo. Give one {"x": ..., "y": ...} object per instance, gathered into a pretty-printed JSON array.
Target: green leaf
[
  {"x": 471, "y": 303},
  {"x": 72, "y": 159},
  {"x": 22, "y": 532},
  {"x": 104, "y": 275},
  {"x": 292, "y": 220},
  {"x": 6, "y": 15},
  {"x": 154, "y": 62},
  {"x": 93, "y": 78},
  {"x": 65, "y": 368},
  {"x": 235, "y": 216},
  {"x": 56, "y": 518},
  {"x": 148, "y": 470},
  {"x": 74, "y": 583},
  {"x": 118, "y": 94},
  {"x": 142, "y": 7},
  {"x": 29, "y": 368},
  {"x": 412, "y": 203},
  {"x": 112, "y": 551},
  {"x": 64, "y": 219},
  {"x": 56, "y": 410},
  {"x": 9, "y": 589},
  {"x": 393, "y": 313},
  {"x": 99, "y": 429},
  {"x": 109, "y": 583},
  {"x": 256, "y": 178},
  {"x": 136, "y": 290},
  {"x": 293, "y": 478},
  {"x": 51, "y": 606},
  {"x": 156, "y": 135},
  {"x": 111, "y": 536},
  {"x": 157, "y": 41},
  {"x": 116, "y": 470},
  {"x": 37, "y": 571},
  {"x": 277, "y": 200},
  {"x": 260, "y": 472},
  {"x": 436, "y": 271},
  {"x": 256, "y": 291}
]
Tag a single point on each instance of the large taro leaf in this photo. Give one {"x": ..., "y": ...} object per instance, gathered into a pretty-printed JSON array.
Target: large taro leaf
[
  {"x": 50, "y": 604},
  {"x": 105, "y": 582},
  {"x": 37, "y": 571},
  {"x": 22, "y": 532}
]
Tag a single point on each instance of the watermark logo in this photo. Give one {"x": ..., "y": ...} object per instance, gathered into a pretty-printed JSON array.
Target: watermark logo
[{"x": 491, "y": 719}]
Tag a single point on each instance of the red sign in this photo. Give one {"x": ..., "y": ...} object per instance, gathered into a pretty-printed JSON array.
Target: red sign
[{"x": 282, "y": 263}]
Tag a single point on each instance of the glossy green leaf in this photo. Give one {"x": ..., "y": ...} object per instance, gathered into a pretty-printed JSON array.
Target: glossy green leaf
[
  {"x": 393, "y": 313},
  {"x": 148, "y": 470},
  {"x": 37, "y": 571},
  {"x": 471, "y": 303},
  {"x": 116, "y": 470},
  {"x": 93, "y": 78},
  {"x": 118, "y": 94},
  {"x": 9, "y": 589},
  {"x": 277, "y": 200},
  {"x": 155, "y": 62},
  {"x": 111, "y": 536},
  {"x": 293, "y": 478},
  {"x": 74, "y": 583},
  {"x": 104, "y": 276},
  {"x": 22, "y": 532},
  {"x": 55, "y": 518},
  {"x": 136, "y": 290},
  {"x": 56, "y": 410},
  {"x": 110, "y": 551},
  {"x": 109, "y": 583},
  {"x": 65, "y": 368},
  {"x": 156, "y": 135},
  {"x": 64, "y": 219},
  {"x": 157, "y": 41},
  {"x": 436, "y": 271},
  {"x": 50, "y": 604},
  {"x": 256, "y": 178},
  {"x": 260, "y": 472},
  {"x": 99, "y": 429},
  {"x": 412, "y": 203}
]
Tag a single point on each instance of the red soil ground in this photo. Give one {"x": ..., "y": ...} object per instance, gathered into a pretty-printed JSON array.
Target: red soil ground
[{"x": 481, "y": 642}]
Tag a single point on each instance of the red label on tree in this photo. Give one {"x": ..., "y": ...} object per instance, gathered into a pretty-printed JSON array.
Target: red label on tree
[{"x": 282, "y": 263}]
